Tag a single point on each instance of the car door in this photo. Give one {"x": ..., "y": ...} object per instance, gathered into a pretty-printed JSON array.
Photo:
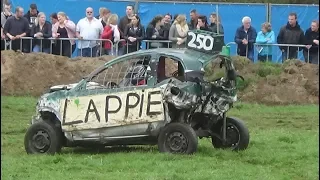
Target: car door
[{"x": 115, "y": 97}]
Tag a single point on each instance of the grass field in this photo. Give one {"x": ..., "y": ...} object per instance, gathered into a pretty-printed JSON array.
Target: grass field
[{"x": 284, "y": 145}]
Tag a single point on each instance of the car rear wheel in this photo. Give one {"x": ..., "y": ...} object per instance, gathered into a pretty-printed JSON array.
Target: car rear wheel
[
  {"x": 178, "y": 138},
  {"x": 237, "y": 136},
  {"x": 43, "y": 137}
]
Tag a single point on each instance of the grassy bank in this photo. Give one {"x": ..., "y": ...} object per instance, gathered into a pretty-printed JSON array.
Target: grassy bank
[{"x": 284, "y": 145}]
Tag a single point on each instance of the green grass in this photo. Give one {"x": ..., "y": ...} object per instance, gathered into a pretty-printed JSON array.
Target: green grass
[{"x": 284, "y": 145}]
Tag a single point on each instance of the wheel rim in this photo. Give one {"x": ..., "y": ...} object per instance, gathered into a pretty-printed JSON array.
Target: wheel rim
[
  {"x": 41, "y": 141},
  {"x": 176, "y": 142},
  {"x": 233, "y": 136}
]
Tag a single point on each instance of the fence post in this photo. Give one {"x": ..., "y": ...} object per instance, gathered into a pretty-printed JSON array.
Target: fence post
[
  {"x": 269, "y": 12},
  {"x": 136, "y": 6}
]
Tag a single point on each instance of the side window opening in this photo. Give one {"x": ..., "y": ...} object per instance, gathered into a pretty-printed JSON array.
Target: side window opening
[
  {"x": 169, "y": 67},
  {"x": 127, "y": 73}
]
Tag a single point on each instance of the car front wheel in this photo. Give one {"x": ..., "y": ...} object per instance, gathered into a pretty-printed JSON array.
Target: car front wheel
[
  {"x": 237, "y": 136},
  {"x": 178, "y": 138},
  {"x": 43, "y": 137}
]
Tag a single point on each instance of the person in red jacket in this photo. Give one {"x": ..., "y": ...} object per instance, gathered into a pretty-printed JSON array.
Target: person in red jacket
[{"x": 113, "y": 35}]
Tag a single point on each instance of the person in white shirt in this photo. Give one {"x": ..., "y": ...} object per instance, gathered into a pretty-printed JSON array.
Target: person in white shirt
[{"x": 88, "y": 28}]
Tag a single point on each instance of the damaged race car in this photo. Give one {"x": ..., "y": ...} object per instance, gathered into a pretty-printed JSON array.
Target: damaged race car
[{"x": 150, "y": 97}]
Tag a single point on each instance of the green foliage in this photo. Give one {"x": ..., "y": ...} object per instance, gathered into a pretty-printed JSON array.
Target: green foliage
[
  {"x": 268, "y": 68},
  {"x": 243, "y": 84}
]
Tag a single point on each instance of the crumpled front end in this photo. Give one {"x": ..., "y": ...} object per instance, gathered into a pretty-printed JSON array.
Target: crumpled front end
[
  {"x": 181, "y": 99},
  {"x": 47, "y": 104},
  {"x": 211, "y": 100}
]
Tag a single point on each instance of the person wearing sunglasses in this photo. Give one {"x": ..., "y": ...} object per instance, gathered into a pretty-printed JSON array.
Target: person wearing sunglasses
[{"x": 88, "y": 28}]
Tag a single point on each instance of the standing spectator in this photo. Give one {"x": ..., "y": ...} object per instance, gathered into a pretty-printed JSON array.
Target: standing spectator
[
  {"x": 103, "y": 13},
  {"x": 193, "y": 19},
  {"x": 153, "y": 32},
  {"x": 166, "y": 25},
  {"x": 112, "y": 33},
  {"x": 55, "y": 49},
  {"x": 104, "y": 19},
  {"x": 134, "y": 34},
  {"x": 124, "y": 21},
  {"x": 215, "y": 24},
  {"x": 290, "y": 34},
  {"x": 312, "y": 43},
  {"x": 88, "y": 28},
  {"x": 3, "y": 42},
  {"x": 64, "y": 28},
  {"x": 6, "y": 13},
  {"x": 54, "y": 18},
  {"x": 16, "y": 27},
  {"x": 31, "y": 16},
  {"x": 41, "y": 29},
  {"x": 245, "y": 38},
  {"x": 179, "y": 31},
  {"x": 203, "y": 23},
  {"x": 265, "y": 36},
  {"x": 166, "y": 28}
]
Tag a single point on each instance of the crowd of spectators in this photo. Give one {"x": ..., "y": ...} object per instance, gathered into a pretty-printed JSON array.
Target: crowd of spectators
[{"x": 126, "y": 34}]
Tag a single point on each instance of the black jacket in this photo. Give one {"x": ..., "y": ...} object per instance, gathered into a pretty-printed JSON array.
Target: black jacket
[
  {"x": 309, "y": 37},
  {"x": 214, "y": 28},
  {"x": 206, "y": 28},
  {"x": 139, "y": 33},
  {"x": 124, "y": 21},
  {"x": 151, "y": 30},
  {"x": 31, "y": 18},
  {"x": 250, "y": 35},
  {"x": 46, "y": 31},
  {"x": 290, "y": 35},
  {"x": 193, "y": 24}
]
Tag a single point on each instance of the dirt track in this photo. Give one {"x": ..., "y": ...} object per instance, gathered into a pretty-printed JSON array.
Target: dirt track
[{"x": 32, "y": 74}]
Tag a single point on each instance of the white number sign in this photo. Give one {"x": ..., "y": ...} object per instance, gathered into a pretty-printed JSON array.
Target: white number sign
[{"x": 201, "y": 41}]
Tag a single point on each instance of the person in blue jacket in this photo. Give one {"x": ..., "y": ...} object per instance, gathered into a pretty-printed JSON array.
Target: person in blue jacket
[
  {"x": 245, "y": 38},
  {"x": 265, "y": 36}
]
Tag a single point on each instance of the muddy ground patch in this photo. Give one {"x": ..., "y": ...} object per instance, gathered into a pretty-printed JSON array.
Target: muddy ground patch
[
  {"x": 293, "y": 82},
  {"x": 32, "y": 74}
]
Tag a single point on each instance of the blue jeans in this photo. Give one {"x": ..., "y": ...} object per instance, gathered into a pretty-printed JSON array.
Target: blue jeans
[
  {"x": 88, "y": 52},
  {"x": 250, "y": 55},
  {"x": 37, "y": 49}
]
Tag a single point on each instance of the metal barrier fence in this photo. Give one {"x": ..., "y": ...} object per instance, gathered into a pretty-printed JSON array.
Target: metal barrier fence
[
  {"x": 60, "y": 46},
  {"x": 287, "y": 51}
]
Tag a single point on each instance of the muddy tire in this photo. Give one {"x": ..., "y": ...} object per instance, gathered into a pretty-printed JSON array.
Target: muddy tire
[
  {"x": 178, "y": 138},
  {"x": 237, "y": 136},
  {"x": 43, "y": 137}
]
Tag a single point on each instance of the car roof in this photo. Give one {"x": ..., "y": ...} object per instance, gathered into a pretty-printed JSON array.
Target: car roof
[{"x": 193, "y": 60}]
